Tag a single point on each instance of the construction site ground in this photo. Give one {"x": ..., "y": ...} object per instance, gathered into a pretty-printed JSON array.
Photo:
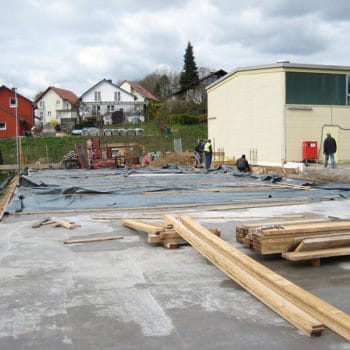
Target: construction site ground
[{"x": 129, "y": 294}]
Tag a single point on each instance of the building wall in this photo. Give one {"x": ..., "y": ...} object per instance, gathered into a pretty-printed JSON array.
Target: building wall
[
  {"x": 50, "y": 100},
  {"x": 8, "y": 115},
  {"x": 311, "y": 123},
  {"x": 245, "y": 115}
]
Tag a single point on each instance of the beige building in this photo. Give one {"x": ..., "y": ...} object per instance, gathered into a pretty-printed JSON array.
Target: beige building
[{"x": 276, "y": 114}]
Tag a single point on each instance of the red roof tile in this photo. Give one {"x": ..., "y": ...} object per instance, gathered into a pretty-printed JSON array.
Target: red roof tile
[{"x": 141, "y": 90}]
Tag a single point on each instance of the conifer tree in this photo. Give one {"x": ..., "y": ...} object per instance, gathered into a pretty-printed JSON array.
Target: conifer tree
[{"x": 189, "y": 75}]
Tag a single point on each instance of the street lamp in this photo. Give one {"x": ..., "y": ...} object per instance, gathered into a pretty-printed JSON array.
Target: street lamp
[{"x": 17, "y": 141}]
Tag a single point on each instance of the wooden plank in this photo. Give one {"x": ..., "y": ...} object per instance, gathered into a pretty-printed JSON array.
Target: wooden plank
[
  {"x": 8, "y": 195},
  {"x": 314, "y": 254},
  {"x": 292, "y": 313},
  {"x": 331, "y": 316},
  {"x": 89, "y": 240},
  {"x": 336, "y": 241},
  {"x": 68, "y": 225},
  {"x": 141, "y": 226}
]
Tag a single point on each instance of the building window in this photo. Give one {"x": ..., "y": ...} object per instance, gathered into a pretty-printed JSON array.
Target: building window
[
  {"x": 13, "y": 102},
  {"x": 49, "y": 114},
  {"x": 97, "y": 96},
  {"x": 110, "y": 108},
  {"x": 41, "y": 114},
  {"x": 95, "y": 109},
  {"x": 58, "y": 102},
  {"x": 117, "y": 96},
  {"x": 41, "y": 104},
  {"x": 2, "y": 126}
]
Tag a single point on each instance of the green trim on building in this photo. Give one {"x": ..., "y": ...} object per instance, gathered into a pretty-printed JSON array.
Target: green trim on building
[{"x": 315, "y": 88}]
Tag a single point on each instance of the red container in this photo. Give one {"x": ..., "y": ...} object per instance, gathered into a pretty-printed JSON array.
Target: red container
[{"x": 310, "y": 150}]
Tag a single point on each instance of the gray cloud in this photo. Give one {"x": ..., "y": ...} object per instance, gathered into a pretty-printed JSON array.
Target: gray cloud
[{"x": 75, "y": 43}]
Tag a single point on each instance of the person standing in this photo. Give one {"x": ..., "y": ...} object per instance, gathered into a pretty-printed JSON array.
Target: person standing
[
  {"x": 329, "y": 148},
  {"x": 208, "y": 151},
  {"x": 197, "y": 154}
]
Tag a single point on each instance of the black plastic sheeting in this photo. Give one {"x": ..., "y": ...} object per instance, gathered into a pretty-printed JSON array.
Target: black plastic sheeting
[{"x": 77, "y": 189}]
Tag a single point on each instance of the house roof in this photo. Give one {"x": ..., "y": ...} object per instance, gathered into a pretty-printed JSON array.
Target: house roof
[
  {"x": 64, "y": 94},
  {"x": 141, "y": 90},
  {"x": 284, "y": 65},
  {"x": 108, "y": 81},
  {"x": 5, "y": 87},
  {"x": 218, "y": 72}
]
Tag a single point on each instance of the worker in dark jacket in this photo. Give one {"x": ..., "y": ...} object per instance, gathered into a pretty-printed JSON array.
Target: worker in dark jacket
[
  {"x": 242, "y": 164},
  {"x": 329, "y": 148}
]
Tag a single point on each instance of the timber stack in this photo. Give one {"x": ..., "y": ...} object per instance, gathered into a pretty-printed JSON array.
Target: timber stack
[{"x": 301, "y": 240}]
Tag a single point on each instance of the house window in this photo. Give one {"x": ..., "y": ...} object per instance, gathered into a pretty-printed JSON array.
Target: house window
[
  {"x": 41, "y": 104},
  {"x": 13, "y": 102},
  {"x": 41, "y": 114},
  {"x": 97, "y": 96},
  {"x": 117, "y": 96},
  {"x": 95, "y": 109},
  {"x": 58, "y": 102},
  {"x": 49, "y": 114},
  {"x": 110, "y": 108},
  {"x": 2, "y": 126}
]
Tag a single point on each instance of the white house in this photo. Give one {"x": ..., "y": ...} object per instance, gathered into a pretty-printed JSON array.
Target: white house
[
  {"x": 55, "y": 104},
  {"x": 270, "y": 112},
  {"x": 110, "y": 102}
]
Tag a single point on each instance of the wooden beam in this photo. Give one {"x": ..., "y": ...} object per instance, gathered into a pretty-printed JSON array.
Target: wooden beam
[
  {"x": 8, "y": 195},
  {"x": 292, "y": 313},
  {"x": 327, "y": 242},
  {"x": 141, "y": 226},
  {"x": 89, "y": 240},
  {"x": 332, "y": 317},
  {"x": 315, "y": 254}
]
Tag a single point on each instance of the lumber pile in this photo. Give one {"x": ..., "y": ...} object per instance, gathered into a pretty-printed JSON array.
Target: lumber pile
[
  {"x": 298, "y": 240},
  {"x": 301, "y": 308},
  {"x": 55, "y": 222},
  {"x": 160, "y": 234}
]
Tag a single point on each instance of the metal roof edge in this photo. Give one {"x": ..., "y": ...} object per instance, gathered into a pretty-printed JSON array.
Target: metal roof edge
[{"x": 282, "y": 64}]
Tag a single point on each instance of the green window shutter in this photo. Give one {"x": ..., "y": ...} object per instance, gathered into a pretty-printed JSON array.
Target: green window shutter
[{"x": 315, "y": 88}]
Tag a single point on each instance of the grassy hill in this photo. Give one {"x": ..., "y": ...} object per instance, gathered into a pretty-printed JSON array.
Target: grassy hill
[{"x": 54, "y": 148}]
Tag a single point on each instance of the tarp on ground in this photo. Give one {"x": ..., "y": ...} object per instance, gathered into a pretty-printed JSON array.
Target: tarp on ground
[{"x": 77, "y": 189}]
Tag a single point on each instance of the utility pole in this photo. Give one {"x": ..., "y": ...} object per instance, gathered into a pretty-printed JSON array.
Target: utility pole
[{"x": 17, "y": 140}]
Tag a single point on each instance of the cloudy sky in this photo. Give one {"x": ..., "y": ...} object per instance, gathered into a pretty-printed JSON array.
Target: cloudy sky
[{"x": 73, "y": 44}]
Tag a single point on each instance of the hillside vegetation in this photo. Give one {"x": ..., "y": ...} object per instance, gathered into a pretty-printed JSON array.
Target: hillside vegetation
[{"x": 54, "y": 148}]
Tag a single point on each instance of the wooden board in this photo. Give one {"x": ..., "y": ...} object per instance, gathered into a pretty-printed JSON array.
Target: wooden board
[
  {"x": 327, "y": 242},
  {"x": 315, "y": 254}
]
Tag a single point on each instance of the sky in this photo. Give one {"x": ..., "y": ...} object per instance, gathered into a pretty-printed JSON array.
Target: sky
[{"x": 73, "y": 44}]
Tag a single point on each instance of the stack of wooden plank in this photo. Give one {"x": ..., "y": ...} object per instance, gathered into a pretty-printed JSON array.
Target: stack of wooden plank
[
  {"x": 298, "y": 240},
  {"x": 304, "y": 310},
  {"x": 160, "y": 234}
]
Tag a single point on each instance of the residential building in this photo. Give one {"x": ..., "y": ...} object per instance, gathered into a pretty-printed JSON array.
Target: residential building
[
  {"x": 108, "y": 102},
  {"x": 12, "y": 111},
  {"x": 268, "y": 112},
  {"x": 141, "y": 93},
  {"x": 55, "y": 105},
  {"x": 197, "y": 92}
]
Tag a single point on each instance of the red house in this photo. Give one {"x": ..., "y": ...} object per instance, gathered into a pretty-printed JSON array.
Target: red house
[{"x": 8, "y": 111}]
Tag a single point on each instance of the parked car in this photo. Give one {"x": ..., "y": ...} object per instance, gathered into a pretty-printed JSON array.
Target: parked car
[{"x": 76, "y": 132}]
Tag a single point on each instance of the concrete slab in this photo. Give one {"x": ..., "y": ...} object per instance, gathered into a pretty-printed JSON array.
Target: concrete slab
[{"x": 127, "y": 294}]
